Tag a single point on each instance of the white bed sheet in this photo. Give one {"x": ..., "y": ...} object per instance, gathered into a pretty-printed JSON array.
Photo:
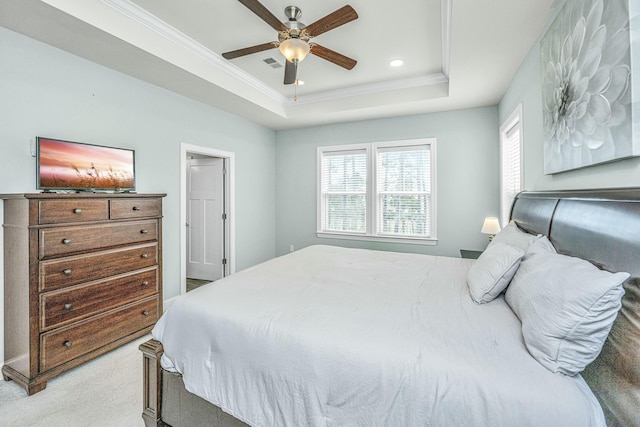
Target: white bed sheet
[{"x": 329, "y": 336}]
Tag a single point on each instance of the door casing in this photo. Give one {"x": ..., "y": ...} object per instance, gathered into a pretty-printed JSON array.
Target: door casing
[{"x": 230, "y": 235}]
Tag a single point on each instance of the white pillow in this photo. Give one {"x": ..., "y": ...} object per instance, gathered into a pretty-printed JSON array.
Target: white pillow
[
  {"x": 566, "y": 306},
  {"x": 513, "y": 236},
  {"x": 492, "y": 272},
  {"x": 542, "y": 244}
]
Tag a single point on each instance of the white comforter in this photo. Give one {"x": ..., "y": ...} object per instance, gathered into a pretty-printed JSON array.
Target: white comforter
[{"x": 328, "y": 336}]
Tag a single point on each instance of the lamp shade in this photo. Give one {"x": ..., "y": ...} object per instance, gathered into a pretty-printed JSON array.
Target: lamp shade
[
  {"x": 294, "y": 49},
  {"x": 491, "y": 225}
]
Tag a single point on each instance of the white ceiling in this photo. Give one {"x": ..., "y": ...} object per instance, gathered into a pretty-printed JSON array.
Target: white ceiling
[{"x": 457, "y": 53}]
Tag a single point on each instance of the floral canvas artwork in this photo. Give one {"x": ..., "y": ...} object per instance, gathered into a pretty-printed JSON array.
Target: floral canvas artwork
[{"x": 587, "y": 85}]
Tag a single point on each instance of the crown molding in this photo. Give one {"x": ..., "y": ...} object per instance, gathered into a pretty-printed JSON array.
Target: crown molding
[
  {"x": 141, "y": 16},
  {"x": 446, "y": 35}
]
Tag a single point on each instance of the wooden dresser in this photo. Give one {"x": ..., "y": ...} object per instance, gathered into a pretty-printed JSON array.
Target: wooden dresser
[{"x": 82, "y": 276}]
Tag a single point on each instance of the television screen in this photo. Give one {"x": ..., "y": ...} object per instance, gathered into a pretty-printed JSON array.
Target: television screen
[{"x": 66, "y": 165}]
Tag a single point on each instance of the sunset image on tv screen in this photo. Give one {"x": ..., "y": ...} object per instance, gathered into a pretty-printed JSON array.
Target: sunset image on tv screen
[{"x": 70, "y": 165}]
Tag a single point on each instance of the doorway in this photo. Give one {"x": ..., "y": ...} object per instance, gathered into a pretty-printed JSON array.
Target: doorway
[
  {"x": 205, "y": 219},
  {"x": 207, "y": 215}
]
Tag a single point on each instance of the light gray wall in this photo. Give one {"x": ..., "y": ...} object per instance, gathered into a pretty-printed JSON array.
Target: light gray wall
[
  {"x": 526, "y": 88},
  {"x": 467, "y": 176},
  {"x": 47, "y": 92}
]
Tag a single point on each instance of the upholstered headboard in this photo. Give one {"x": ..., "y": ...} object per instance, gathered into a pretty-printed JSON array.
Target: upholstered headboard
[{"x": 602, "y": 226}]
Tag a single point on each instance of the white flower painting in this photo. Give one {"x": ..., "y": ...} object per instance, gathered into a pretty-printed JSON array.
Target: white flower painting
[{"x": 586, "y": 85}]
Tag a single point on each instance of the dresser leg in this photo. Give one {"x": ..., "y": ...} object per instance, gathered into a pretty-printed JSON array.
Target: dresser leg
[
  {"x": 34, "y": 388},
  {"x": 31, "y": 386}
]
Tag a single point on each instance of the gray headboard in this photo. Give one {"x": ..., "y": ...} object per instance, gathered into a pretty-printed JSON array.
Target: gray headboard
[{"x": 602, "y": 226}]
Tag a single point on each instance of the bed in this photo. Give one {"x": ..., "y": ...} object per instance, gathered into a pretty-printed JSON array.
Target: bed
[{"x": 336, "y": 336}]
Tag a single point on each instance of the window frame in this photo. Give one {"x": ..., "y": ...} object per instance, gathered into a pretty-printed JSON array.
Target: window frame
[
  {"x": 514, "y": 119},
  {"x": 372, "y": 194}
]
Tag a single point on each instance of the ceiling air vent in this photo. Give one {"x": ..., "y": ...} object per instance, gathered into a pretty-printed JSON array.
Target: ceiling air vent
[{"x": 272, "y": 63}]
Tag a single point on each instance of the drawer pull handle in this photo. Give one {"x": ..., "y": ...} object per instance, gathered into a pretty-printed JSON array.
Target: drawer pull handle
[
  {"x": 66, "y": 272},
  {"x": 68, "y": 344},
  {"x": 145, "y": 283},
  {"x": 66, "y": 241},
  {"x": 144, "y": 256},
  {"x": 68, "y": 306},
  {"x": 77, "y": 211},
  {"x": 136, "y": 208},
  {"x": 144, "y": 231},
  {"x": 145, "y": 313}
]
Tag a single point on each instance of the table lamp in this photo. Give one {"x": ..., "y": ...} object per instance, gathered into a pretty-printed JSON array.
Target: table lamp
[{"x": 491, "y": 226}]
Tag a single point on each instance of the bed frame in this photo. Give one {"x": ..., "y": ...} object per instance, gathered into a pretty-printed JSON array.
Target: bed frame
[{"x": 602, "y": 226}]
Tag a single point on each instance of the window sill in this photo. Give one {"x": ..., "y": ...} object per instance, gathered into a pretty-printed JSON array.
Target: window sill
[{"x": 387, "y": 239}]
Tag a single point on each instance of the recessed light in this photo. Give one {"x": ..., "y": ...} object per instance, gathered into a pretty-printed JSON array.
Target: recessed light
[{"x": 396, "y": 63}]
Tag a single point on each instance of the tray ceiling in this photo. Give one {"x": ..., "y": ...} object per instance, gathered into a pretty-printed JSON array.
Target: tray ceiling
[{"x": 456, "y": 53}]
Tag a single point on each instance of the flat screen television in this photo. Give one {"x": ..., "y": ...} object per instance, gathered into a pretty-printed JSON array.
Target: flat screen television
[{"x": 66, "y": 165}]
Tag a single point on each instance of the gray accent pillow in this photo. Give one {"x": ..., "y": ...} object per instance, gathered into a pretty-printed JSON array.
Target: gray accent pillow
[
  {"x": 492, "y": 272},
  {"x": 566, "y": 306}
]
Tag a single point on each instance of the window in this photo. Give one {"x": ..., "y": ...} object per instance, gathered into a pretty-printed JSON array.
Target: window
[
  {"x": 510, "y": 162},
  {"x": 344, "y": 191},
  {"x": 378, "y": 191}
]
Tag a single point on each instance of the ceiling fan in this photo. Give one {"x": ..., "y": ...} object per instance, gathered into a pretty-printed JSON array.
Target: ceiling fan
[{"x": 293, "y": 37}]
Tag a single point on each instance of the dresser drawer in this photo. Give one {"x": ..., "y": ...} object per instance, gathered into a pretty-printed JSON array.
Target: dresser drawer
[
  {"x": 64, "y": 344},
  {"x": 65, "y": 211},
  {"x": 64, "y": 306},
  {"x": 135, "y": 208},
  {"x": 69, "y": 240},
  {"x": 73, "y": 270}
]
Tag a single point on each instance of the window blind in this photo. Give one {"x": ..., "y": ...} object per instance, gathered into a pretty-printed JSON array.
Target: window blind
[
  {"x": 403, "y": 191},
  {"x": 511, "y": 173},
  {"x": 344, "y": 191}
]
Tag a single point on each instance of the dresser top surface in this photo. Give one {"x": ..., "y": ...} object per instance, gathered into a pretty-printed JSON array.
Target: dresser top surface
[{"x": 86, "y": 195}]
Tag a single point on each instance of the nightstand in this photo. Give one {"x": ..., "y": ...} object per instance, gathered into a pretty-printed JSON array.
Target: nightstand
[{"x": 467, "y": 253}]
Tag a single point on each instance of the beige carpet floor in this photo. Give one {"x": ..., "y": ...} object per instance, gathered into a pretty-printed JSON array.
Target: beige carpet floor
[{"x": 104, "y": 392}]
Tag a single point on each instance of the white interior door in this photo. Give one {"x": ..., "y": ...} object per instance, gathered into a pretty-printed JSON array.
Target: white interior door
[{"x": 205, "y": 225}]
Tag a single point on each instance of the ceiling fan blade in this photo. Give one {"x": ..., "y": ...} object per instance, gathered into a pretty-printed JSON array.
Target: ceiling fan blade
[
  {"x": 248, "y": 50},
  {"x": 333, "y": 20},
  {"x": 263, "y": 13},
  {"x": 290, "y": 72},
  {"x": 335, "y": 57}
]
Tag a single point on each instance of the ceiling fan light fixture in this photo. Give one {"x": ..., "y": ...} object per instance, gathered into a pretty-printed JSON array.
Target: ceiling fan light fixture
[{"x": 295, "y": 50}]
